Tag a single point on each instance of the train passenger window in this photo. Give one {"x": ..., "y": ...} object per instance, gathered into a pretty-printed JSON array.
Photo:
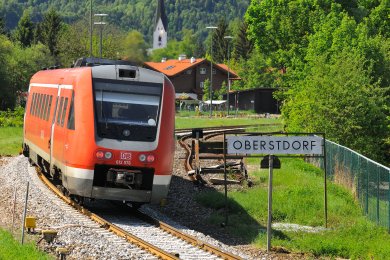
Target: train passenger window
[
  {"x": 64, "y": 111},
  {"x": 71, "y": 125},
  {"x": 32, "y": 103},
  {"x": 49, "y": 108},
  {"x": 60, "y": 110},
  {"x": 35, "y": 103},
  {"x": 39, "y": 105},
  {"x": 43, "y": 115}
]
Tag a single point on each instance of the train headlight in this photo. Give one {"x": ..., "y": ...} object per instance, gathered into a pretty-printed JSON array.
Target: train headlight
[
  {"x": 108, "y": 155},
  {"x": 142, "y": 157},
  {"x": 100, "y": 154},
  {"x": 150, "y": 158}
]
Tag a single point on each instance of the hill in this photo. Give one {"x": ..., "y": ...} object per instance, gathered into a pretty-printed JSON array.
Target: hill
[{"x": 133, "y": 14}]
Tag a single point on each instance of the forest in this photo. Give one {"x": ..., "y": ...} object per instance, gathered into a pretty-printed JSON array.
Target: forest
[
  {"x": 330, "y": 60},
  {"x": 133, "y": 14}
]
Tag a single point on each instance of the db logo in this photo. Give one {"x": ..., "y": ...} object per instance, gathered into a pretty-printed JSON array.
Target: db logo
[{"x": 125, "y": 156}]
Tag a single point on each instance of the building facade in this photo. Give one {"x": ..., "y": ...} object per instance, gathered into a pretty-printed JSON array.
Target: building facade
[{"x": 189, "y": 75}]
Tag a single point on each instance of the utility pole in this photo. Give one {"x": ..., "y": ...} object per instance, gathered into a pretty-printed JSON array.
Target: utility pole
[
  {"x": 90, "y": 30},
  {"x": 211, "y": 73},
  {"x": 101, "y": 23},
  {"x": 228, "y": 92}
]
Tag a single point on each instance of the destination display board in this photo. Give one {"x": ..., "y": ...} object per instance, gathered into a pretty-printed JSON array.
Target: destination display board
[{"x": 308, "y": 145}]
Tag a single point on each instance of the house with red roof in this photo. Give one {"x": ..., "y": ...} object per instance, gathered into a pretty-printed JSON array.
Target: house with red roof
[{"x": 188, "y": 75}]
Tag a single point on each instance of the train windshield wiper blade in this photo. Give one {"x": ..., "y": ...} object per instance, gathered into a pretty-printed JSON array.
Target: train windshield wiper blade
[{"x": 102, "y": 115}]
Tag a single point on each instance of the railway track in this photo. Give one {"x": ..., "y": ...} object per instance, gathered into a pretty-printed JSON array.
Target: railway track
[
  {"x": 149, "y": 234},
  {"x": 186, "y": 134}
]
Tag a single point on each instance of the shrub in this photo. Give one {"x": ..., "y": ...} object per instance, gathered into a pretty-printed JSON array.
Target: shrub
[{"x": 12, "y": 118}]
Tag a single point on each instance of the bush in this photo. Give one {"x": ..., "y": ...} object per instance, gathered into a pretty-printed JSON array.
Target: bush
[{"x": 11, "y": 118}]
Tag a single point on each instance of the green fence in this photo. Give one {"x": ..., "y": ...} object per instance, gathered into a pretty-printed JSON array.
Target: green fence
[{"x": 368, "y": 180}]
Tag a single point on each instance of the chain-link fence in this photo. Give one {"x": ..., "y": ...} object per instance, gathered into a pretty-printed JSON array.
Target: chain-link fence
[{"x": 368, "y": 180}]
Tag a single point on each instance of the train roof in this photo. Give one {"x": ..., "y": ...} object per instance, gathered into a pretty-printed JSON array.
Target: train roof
[{"x": 92, "y": 62}]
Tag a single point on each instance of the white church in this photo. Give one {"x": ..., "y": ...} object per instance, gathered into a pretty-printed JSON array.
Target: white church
[{"x": 160, "y": 36}]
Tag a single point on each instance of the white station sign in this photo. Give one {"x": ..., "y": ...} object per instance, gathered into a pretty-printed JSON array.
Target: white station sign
[{"x": 309, "y": 145}]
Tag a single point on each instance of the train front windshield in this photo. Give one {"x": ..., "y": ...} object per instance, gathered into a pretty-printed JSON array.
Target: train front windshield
[{"x": 127, "y": 110}]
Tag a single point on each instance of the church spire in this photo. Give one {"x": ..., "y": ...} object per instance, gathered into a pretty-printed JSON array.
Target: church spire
[
  {"x": 160, "y": 36},
  {"x": 160, "y": 13}
]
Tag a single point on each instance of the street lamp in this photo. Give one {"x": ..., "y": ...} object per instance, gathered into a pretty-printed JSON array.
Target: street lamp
[
  {"x": 90, "y": 30},
  {"x": 228, "y": 37},
  {"x": 101, "y": 23},
  {"x": 211, "y": 72}
]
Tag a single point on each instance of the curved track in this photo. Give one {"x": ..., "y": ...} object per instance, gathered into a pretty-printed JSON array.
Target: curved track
[{"x": 151, "y": 235}]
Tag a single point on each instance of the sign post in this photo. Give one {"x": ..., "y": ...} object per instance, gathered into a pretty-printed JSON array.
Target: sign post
[
  {"x": 301, "y": 144},
  {"x": 269, "y": 220}
]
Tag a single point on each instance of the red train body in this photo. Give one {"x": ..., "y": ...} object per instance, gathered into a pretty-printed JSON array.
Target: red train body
[{"x": 104, "y": 132}]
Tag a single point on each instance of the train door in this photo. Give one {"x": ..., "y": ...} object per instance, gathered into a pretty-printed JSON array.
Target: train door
[{"x": 58, "y": 130}]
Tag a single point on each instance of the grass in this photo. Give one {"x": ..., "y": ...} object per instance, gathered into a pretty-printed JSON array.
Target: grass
[
  {"x": 11, "y": 139},
  {"x": 11, "y": 249},
  {"x": 298, "y": 198}
]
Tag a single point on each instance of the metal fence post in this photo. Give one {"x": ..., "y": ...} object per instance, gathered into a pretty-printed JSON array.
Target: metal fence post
[
  {"x": 377, "y": 195},
  {"x": 269, "y": 221},
  {"x": 13, "y": 211},
  {"x": 388, "y": 202},
  {"x": 367, "y": 183},
  {"x": 25, "y": 211}
]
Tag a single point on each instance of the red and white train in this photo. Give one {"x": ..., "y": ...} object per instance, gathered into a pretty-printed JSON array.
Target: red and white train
[{"x": 104, "y": 132}]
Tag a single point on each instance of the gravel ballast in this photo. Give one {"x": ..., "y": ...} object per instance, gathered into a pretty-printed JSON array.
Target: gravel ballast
[{"x": 83, "y": 237}]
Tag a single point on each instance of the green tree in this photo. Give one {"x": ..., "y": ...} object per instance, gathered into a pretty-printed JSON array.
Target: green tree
[
  {"x": 3, "y": 28},
  {"x": 219, "y": 54},
  {"x": 24, "y": 31},
  {"x": 280, "y": 28},
  {"x": 70, "y": 51},
  {"x": 51, "y": 28},
  {"x": 24, "y": 62},
  {"x": 6, "y": 47},
  {"x": 242, "y": 45},
  {"x": 206, "y": 90},
  {"x": 134, "y": 47},
  {"x": 338, "y": 97}
]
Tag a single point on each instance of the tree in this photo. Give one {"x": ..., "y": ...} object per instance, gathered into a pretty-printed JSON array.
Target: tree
[
  {"x": 51, "y": 27},
  {"x": 6, "y": 47},
  {"x": 338, "y": 97},
  {"x": 280, "y": 28},
  {"x": 134, "y": 47},
  {"x": 243, "y": 46},
  {"x": 219, "y": 42},
  {"x": 70, "y": 51},
  {"x": 3, "y": 29},
  {"x": 24, "y": 31}
]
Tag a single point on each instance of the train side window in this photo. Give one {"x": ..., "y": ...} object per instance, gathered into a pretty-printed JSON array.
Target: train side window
[
  {"x": 39, "y": 105},
  {"x": 60, "y": 110},
  {"x": 49, "y": 108},
  {"x": 71, "y": 115},
  {"x": 35, "y": 104},
  {"x": 32, "y": 104},
  {"x": 64, "y": 111},
  {"x": 43, "y": 115}
]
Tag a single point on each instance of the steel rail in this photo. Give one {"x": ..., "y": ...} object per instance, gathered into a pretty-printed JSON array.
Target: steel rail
[
  {"x": 224, "y": 127},
  {"x": 107, "y": 225},
  {"x": 188, "y": 238}
]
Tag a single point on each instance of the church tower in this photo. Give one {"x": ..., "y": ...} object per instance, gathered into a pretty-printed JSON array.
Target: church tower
[{"x": 160, "y": 36}]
